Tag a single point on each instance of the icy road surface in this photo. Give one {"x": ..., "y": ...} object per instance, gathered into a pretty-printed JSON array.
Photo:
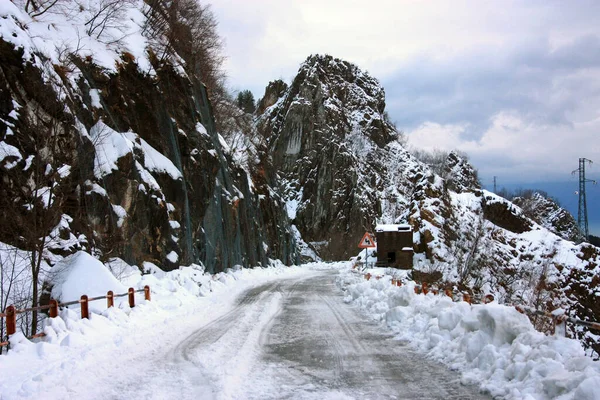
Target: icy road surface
[{"x": 292, "y": 339}]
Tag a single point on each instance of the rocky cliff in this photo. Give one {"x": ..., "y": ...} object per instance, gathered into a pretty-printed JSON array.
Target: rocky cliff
[
  {"x": 119, "y": 155},
  {"x": 326, "y": 133}
]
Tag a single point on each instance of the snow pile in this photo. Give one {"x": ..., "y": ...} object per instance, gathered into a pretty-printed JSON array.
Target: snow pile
[
  {"x": 81, "y": 273},
  {"x": 493, "y": 346}
]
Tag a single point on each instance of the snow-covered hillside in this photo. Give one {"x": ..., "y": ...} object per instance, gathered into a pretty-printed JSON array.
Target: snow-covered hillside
[{"x": 549, "y": 214}]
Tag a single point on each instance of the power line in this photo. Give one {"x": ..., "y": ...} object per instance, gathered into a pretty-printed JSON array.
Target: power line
[{"x": 582, "y": 219}]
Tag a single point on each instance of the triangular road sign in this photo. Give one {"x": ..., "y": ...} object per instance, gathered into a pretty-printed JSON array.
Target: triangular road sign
[{"x": 367, "y": 241}]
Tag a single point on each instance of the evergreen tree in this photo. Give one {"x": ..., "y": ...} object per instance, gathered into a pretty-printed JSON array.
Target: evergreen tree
[{"x": 245, "y": 101}]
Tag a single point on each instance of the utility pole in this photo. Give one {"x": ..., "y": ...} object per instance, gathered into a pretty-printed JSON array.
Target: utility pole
[
  {"x": 582, "y": 219},
  {"x": 495, "y": 191}
]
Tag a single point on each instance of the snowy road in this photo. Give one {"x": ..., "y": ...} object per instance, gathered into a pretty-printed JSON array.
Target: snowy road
[{"x": 291, "y": 339}]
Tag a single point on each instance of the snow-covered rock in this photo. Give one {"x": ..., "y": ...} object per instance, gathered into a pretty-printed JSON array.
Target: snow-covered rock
[{"x": 80, "y": 274}]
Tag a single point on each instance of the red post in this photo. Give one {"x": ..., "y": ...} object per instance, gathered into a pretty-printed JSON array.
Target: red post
[
  {"x": 520, "y": 309},
  {"x": 131, "y": 293},
  {"x": 398, "y": 282},
  {"x": 53, "y": 308},
  {"x": 110, "y": 299},
  {"x": 558, "y": 325},
  {"x": 467, "y": 297},
  {"x": 11, "y": 320},
  {"x": 147, "y": 293},
  {"x": 85, "y": 313},
  {"x": 393, "y": 282},
  {"x": 424, "y": 286}
]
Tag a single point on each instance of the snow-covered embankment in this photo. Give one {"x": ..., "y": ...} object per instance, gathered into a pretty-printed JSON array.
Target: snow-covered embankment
[{"x": 492, "y": 345}]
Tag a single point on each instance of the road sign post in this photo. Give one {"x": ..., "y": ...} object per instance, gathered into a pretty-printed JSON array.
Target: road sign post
[{"x": 366, "y": 242}]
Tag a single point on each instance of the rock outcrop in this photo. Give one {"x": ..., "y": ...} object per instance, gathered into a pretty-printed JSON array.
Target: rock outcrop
[
  {"x": 325, "y": 135},
  {"x": 549, "y": 214},
  {"x": 127, "y": 163},
  {"x": 460, "y": 176}
]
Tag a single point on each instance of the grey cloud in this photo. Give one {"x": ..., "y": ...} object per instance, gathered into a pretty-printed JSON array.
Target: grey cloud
[
  {"x": 583, "y": 52},
  {"x": 540, "y": 83}
]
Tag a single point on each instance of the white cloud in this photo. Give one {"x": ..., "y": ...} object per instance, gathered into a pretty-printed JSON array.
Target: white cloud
[
  {"x": 433, "y": 136},
  {"x": 278, "y": 35},
  {"x": 516, "y": 149}
]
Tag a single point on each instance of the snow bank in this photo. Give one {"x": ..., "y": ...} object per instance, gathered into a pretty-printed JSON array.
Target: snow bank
[
  {"x": 492, "y": 345},
  {"x": 80, "y": 274}
]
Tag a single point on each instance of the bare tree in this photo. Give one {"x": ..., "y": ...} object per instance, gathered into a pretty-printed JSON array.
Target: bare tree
[
  {"x": 106, "y": 19},
  {"x": 467, "y": 252},
  {"x": 31, "y": 193},
  {"x": 185, "y": 32},
  {"x": 13, "y": 279},
  {"x": 40, "y": 198},
  {"x": 36, "y": 8}
]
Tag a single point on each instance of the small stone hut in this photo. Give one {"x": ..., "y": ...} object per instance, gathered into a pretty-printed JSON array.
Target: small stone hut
[{"x": 394, "y": 246}]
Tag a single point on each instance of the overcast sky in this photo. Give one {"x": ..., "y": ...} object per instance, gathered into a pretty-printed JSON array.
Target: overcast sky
[{"x": 515, "y": 84}]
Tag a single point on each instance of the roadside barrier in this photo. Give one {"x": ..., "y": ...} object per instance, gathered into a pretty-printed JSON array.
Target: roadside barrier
[
  {"x": 425, "y": 288},
  {"x": 558, "y": 320},
  {"x": 10, "y": 314}
]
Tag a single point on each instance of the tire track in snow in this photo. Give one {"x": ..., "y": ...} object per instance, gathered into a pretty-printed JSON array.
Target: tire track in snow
[
  {"x": 225, "y": 350},
  {"x": 214, "y": 330},
  {"x": 349, "y": 332},
  {"x": 319, "y": 348}
]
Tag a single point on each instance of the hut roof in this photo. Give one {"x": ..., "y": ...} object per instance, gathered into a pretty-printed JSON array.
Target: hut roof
[{"x": 393, "y": 228}]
